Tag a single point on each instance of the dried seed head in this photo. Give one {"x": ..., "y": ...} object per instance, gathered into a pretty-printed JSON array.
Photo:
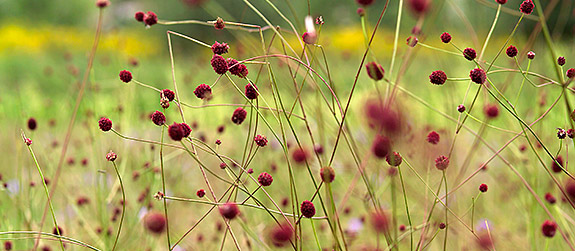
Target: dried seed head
[
  {"x": 239, "y": 115},
  {"x": 265, "y": 179},
  {"x": 374, "y": 71},
  {"x": 445, "y": 37},
  {"x": 438, "y": 77},
  {"x": 477, "y": 75},
  {"x": 158, "y": 118},
  {"x": 441, "y": 162},
  {"x": 105, "y": 124},
  {"x": 433, "y": 137},
  {"x": 307, "y": 209},
  {"x": 511, "y": 51},
  {"x": 527, "y": 7},
  {"x": 220, "y": 49},
  {"x": 469, "y": 54}
]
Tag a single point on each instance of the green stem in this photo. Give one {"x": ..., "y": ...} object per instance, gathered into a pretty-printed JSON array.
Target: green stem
[{"x": 123, "y": 205}]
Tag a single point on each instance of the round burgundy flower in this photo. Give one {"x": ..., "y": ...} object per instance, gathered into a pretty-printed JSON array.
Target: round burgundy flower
[
  {"x": 32, "y": 124},
  {"x": 186, "y": 130},
  {"x": 307, "y": 209},
  {"x": 218, "y": 142},
  {"x": 550, "y": 198},
  {"x": 527, "y": 7},
  {"x": 239, "y": 70},
  {"x": 251, "y": 91},
  {"x": 318, "y": 149},
  {"x": 309, "y": 37},
  {"x": 111, "y": 156},
  {"x": 299, "y": 155},
  {"x": 169, "y": 94},
  {"x": 265, "y": 179},
  {"x": 364, "y": 2},
  {"x": 419, "y": 7},
  {"x": 139, "y": 16},
  {"x": 125, "y": 76},
  {"x": 200, "y": 193},
  {"x": 250, "y": 171},
  {"x": 374, "y": 71},
  {"x": 379, "y": 221},
  {"x": 549, "y": 228},
  {"x": 571, "y": 73},
  {"x": 58, "y": 231},
  {"x": 469, "y": 54},
  {"x": 412, "y": 41},
  {"x": 239, "y": 115},
  {"x": 327, "y": 174},
  {"x": 360, "y": 11},
  {"x": 219, "y": 64},
  {"x": 570, "y": 133},
  {"x": 28, "y": 141},
  {"x": 445, "y": 37},
  {"x": 441, "y": 162},
  {"x": 220, "y": 49},
  {"x": 530, "y": 55},
  {"x": 219, "y": 24},
  {"x": 442, "y": 225},
  {"x": 176, "y": 132},
  {"x": 561, "y": 134},
  {"x": 501, "y": 1},
  {"x": 511, "y": 51},
  {"x": 491, "y": 111},
  {"x": 483, "y": 188},
  {"x": 477, "y": 75},
  {"x": 433, "y": 137},
  {"x": 105, "y": 124},
  {"x": 281, "y": 235},
  {"x": 381, "y": 146},
  {"x": 229, "y": 210},
  {"x": 158, "y": 118},
  {"x": 150, "y": 18},
  {"x": 261, "y": 140},
  {"x": 561, "y": 61},
  {"x": 102, "y": 3},
  {"x": 155, "y": 222},
  {"x": 461, "y": 108},
  {"x": 438, "y": 77},
  {"x": 394, "y": 159},
  {"x": 557, "y": 167},
  {"x": 203, "y": 91},
  {"x": 8, "y": 245}
]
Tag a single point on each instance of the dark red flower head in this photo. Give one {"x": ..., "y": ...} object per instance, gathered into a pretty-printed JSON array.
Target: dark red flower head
[
  {"x": 8, "y": 245},
  {"x": 491, "y": 111},
  {"x": 438, "y": 77},
  {"x": 239, "y": 70},
  {"x": 374, "y": 71},
  {"x": 179, "y": 131},
  {"x": 158, "y": 118},
  {"x": 155, "y": 222},
  {"x": 299, "y": 155},
  {"x": 102, "y": 3},
  {"x": 381, "y": 146},
  {"x": 550, "y": 198},
  {"x": 281, "y": 235},
  {"x": 360, "y": 11},
  {"x": 561, "y": 134},
  {"x": 501, "y": 1},
  {"x": 441, "y": 162},
  {"x": 111, "y": 156},
  {"x": 477, "y": 75},
  {"x": 251, "y": 91},
  {"x": 203, "y": 91},
  {"x": 511, "y": 51},
  {"x": 265, "y": 179},
  {"x": 461, "y": 108},
  {"x": 483, "y": 188},
  {"x": 58, "y": 231},
  {"x": 442, "y": 225},
  {"x": 445, "y": 37},
  {"x": 412, "y": 41},
  {"x": 220, "y": 49},
  {"x": 419, "y": 7},
  {"x": 364, "y": 2},
  {"x": 229, "y": 210},
  {"x": 307, "y": 209},
  {"x": 105, "y": 124},
  {"x": 139, "y": 16},
  {"x": 557, "y": 167},
  {"x": 239, "y": 115},
  {"x": 125, "y": 76},
  {"x": 527, "y": 7},
  {"x": 561, "y": 61},
  {"x": 571, "y": 73},
  {"x": 327, "y": 174},
  {"x": 219, "y": 64},
  {"x": 32, "y": 124},
  {"x": 433, "y": 137},
  {"x": 200, "y": 193},
  {"x": 309, "y": 37},
  {"x": 219, "y": 24},
  {"x": 379, "y": 221},
  {"x": 261, "y": 140},
  {"x": 530, "y": 55},
  {"x": 394, "y": 159},
  {"x": 383, "y": 117},
  {"x": 549, "y": 228},
  {"x": 469, "y": 54},
  {"x": 150, "y": 18},
  {"x": 169, "y": 94}
]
